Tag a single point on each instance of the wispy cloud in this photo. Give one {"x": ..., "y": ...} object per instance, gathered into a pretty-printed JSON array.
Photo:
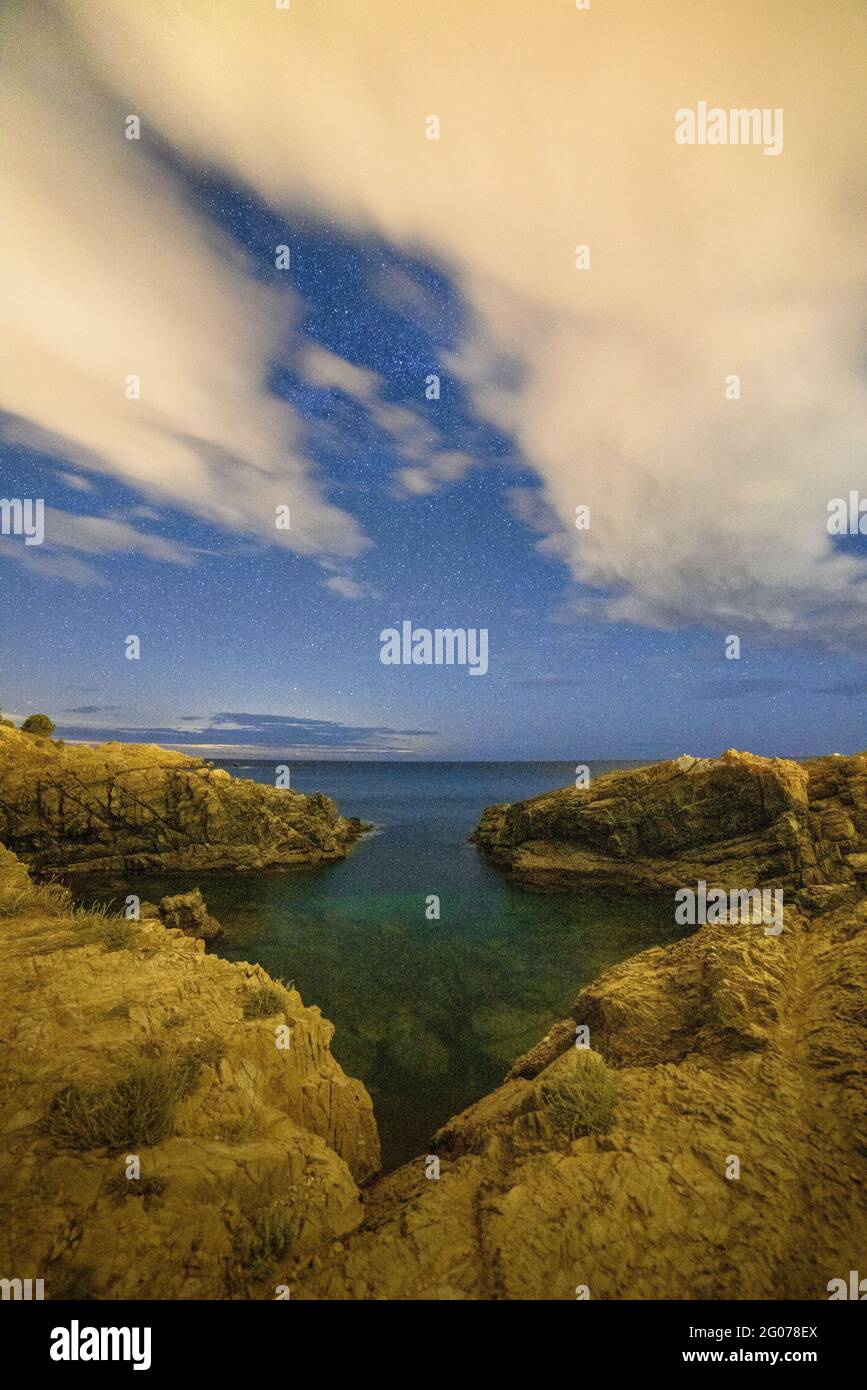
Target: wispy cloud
[
  {"x": 704, "y": 510},
  {"x": 253, "y": 731},
  {"x": 738, "y": 687},
  {"x": 350, "y": 588}
]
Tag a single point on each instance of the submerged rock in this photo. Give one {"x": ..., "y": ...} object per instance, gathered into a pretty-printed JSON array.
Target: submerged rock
[{"x": 136, "y": 808}]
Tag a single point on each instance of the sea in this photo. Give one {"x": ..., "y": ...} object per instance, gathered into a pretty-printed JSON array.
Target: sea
[{"x": 430, "y": 1004}]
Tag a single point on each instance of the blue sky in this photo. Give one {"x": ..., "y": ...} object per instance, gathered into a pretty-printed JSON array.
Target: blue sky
[{"x": 307, "y": 385}]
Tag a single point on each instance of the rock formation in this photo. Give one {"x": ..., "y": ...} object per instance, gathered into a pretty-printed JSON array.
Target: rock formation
[
  {"x": 703, "y": 1139},
  {"x": 734, "y": 821},
  {"x": 187, "y": 913},
  {"x": 735, "y": 1165},
  {"x": 125, "y": 1041},
  {"x": 135, "y": 808}
]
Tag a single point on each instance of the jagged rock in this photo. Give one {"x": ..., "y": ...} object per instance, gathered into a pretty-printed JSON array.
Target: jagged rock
[
  {"x": 726, "y": 1044},
  {"x": 135, "y": 808},
  {"x": 266, "y": 1150},
  {"x": 187, "y": 912},
  {"x": 734, "y": 821}
]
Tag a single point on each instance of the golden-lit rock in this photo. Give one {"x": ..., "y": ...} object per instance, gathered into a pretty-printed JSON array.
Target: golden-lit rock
[
  {"x": 125, "y": 1041},
  {"x": 138, "y": 808},
  {"x": 734, "y": 821},
  {"x": 732, "y": 1052}
]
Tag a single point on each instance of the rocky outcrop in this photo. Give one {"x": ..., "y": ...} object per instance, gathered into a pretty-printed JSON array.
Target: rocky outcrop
[
  {"x": 187, "y": 913},
  {"x": 735, "y": 1165},
  {"x": 135, "y": 808},
  {"x": 127, "y": 1047},
  {"x": 732, "y": 1163},
  {"x": 734, "y": 821},
  {"x": 703, "y": 1140}
]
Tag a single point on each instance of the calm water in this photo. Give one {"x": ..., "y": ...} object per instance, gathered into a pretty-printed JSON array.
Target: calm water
[{"x": 430, "y": 1014}]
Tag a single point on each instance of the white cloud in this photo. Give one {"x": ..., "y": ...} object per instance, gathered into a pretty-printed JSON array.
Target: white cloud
[
  {"x": 323, "y": 368},
  {"x": 349, "y": 588},
  {"x": 557, "y": 130},
  {"x": 447, "y": 467},
  {"x": 105, "y": 273}
]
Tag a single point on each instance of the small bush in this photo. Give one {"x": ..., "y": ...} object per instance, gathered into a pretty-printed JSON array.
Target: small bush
[
  {"x": 205, "y": 1052},
  {"x": 33, "y": 897},
  {"x": 272, "y": 1233},
  {"x": 249, "y": 1126},
  {"x": 136, "y": 1111},
  {"x": 118, "y": 935},
  {"x": 583, "y": 1101},
  {"x": 38, "y": 724},
  {"x": 92, "y": 919},
  {"x": 264, "y": 1002},
  {"x": 12, "y": 900}
]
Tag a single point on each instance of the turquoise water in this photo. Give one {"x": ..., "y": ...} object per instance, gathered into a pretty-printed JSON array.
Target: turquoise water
[{"x": 430, "y": 1014}]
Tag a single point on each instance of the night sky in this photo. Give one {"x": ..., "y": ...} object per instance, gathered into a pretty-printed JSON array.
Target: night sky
[{"x": 267, "y": 644}]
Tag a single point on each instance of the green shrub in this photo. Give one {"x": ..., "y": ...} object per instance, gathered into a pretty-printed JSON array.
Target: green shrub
[
  {"x": 38, "y": 724},
  {"x": 119, "y": 935},
  {"x": 264, "y": 1002},
  {"x": 250, "y": 1125},
  {"x": 136, "y": 1111},
  {"x": 204, "y": 1052},
  {"x": 583, "y": 1101},
  {"x": 270, "y": 1236},
  {"x": 93, "y": 918}
]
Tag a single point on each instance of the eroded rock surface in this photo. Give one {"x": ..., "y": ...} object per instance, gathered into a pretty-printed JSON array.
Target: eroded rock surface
[
  {"x": 729, "y": 1044},
  {"x": 138, "y": 808},
  {"x": 736, "y": 1164},
  {"x": 187, "y": 913},
  {"x": 734, "y": 821},
  {"x": 266, "y": 1145}
]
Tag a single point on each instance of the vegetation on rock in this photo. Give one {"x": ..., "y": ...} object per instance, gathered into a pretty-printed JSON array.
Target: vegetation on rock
[
  {"x": 585, "y": 1100},
  {"x": 38, "y": 724}
]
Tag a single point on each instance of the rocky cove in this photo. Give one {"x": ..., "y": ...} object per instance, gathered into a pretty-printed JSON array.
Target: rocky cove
[{"x": 258, "y": 1164}]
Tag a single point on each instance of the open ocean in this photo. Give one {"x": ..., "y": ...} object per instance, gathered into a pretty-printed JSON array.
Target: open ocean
[{"x": 429, "y": 1014}]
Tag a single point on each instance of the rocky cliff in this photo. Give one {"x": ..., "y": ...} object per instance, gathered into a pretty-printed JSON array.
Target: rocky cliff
[
  {"x": 695, "y": 1129},
  {"x": 138, "y": 808},
  {"x": 709, "y": 1144},
  {"x": 128, "y": 1050},
  {"x": 734, "y": 821}
]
